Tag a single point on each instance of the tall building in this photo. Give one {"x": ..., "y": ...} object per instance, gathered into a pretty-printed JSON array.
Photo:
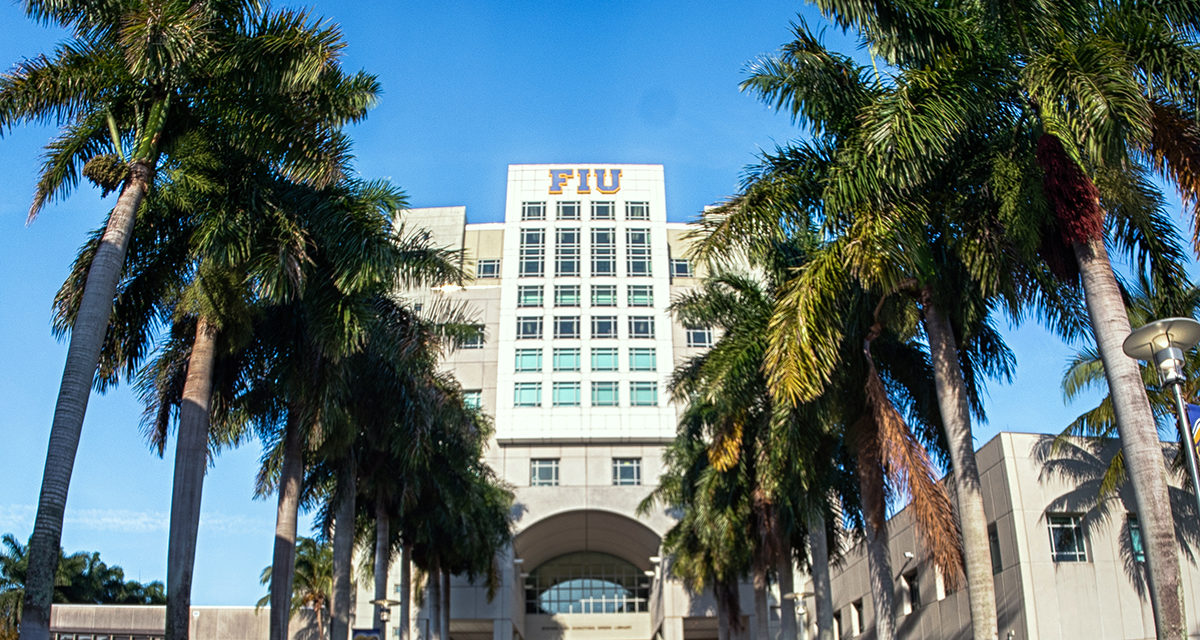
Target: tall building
[{"x": 572, "y": 290}]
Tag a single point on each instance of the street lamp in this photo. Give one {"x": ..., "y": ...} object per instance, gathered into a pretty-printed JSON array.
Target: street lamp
[
  {"x": 385, "y": 613},
  {"x": 1164, "y": 342}
]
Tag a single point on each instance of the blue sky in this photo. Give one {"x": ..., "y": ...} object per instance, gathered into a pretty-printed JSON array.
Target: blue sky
[{"x": 469, "y": 87}]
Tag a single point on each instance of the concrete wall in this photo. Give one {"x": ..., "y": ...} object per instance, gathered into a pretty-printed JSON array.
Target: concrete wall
[{"x": 208, "y": 623}]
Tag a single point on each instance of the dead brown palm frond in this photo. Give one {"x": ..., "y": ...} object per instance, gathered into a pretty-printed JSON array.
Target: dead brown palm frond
[
  {"x": 887, "y": 446},
  {"x": 1174, "y": 152}
]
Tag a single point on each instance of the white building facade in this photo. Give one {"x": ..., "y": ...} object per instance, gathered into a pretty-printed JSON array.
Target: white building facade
[{"x": 573, "y": 290}]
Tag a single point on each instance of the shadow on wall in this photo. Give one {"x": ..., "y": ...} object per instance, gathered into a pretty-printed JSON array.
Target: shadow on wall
[{"x": 1096, "y": 470}]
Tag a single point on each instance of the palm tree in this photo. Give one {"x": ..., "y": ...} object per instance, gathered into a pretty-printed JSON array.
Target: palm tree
[
  {"x": 138, "y": 77},
  {"x": 1101, "y": 88},
  {"x": 312, "y": 585}
]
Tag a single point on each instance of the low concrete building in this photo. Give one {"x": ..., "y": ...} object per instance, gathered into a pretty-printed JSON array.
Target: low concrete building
[
  {"x": 1064, "y": 566},
  {"x": 148, "y": 622}
]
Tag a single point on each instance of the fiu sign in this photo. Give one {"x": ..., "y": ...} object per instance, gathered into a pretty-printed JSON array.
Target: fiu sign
[{"x": 603, "y": 180}]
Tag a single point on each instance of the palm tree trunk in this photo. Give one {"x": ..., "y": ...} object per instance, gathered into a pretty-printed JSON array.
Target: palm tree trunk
[
  {"x": 787, "y": 586},
  {"x": 433, "y": 600},
  {"x": 722, "y": 616},
  {"x": 956, "y": 422},
  {"x": 83, "y": 354},
  {"x": 283, "y": 560},
  {"x": 343, "y": 550},
  {"x": 818, "y": 545},
  {"x": 382, "y": 554},
  {"x": 1139, "y": 437},
  {"x": 761, "y": 625},
  {"x": 191, "y": 461},
  {"x": 405, "y": 590},
  {"x": 445, "y": 604},
  {"x": 879, "y": 564}
]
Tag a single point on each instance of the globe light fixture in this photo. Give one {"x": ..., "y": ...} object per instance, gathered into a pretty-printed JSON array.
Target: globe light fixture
[{"x": 1164, "y": 342}]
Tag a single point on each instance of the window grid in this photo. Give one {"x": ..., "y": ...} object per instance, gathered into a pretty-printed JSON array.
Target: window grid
[
  {"x": 1136, "y": 542},
  {"x": 604, "y": 252},
  {"x": 640, "y": 295},
  {"x": 475, "y": 340},
  {"x": 604, "y": 327},
  {"x": 637, "y": 210},
  {"x": 566, "y": 327},
  {"x": 566, "y": 394},
  {"x": 604, "y": 295},
  {"x": 566, "y": 252},
  {"x": 603, "y": 211},
  {"x": 530, "y": 295},
  {"x": 543, "y": 472},
  {"x": 566, "y": 295},
  {"x": 529, "y": 328},
  {"x": 627, "y": 471},
  {"x": 528, "y": 360},
  {"x": 489, "y": 268},
  {"x": 680, "y": 268},
  {"x": 566, "y": 359},
  {"x": 527, "y": 394},
  {"x": 605, "y": 394},
  {"x": 643, "y": 393},
  {"x": 699, "y": 337},
  {"x": 642, "y": 359},
  {"x": 641, "y": 327},
  {"x": 568, "y": 211},
  {"x": 533, "y": 253},
  {"x": 1066, "y": 538},
  {"x": 533, "y": 210},
  {"x": 637, "y": 252},
  {"x": 473, "y": 398},
  {"x": 604, "y": 359}
]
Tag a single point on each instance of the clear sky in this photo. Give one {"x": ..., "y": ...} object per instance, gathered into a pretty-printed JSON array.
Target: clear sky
[{"x": 469, "y": 87}]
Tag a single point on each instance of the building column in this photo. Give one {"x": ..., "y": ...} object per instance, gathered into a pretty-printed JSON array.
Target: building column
[
  {"x": 502, "y": 629},
  {"x": 672, "y": 628}
]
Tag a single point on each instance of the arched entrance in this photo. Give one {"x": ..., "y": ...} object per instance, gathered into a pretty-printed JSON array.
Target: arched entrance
[{"x": 585, "y": 576}]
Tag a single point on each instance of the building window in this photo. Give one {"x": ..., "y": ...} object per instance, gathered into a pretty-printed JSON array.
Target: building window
[
  {"x": 487, "y": 269},
  {"x": 642, "y": 359},
  {"x": 527, "y": 394},
  {"x": 604, "y": 295},
  {"x": 641, "y": 326},
  {"x": 473, "y": 398},
  {"x": 568, "y": 211},
  {"x": 604, "y": 394},
  {"x": 640, "y": 295},
  {"x": 566, "y": 295},
  {"x": 680, "y": 268},
  {"x": 604, "y": 326},
  {"x": 1066, "y": 538},
  {"x": 994, "y": 546},
  {"x": 856, "y": 617},
  {"x": 627, "y": 471},
  {"x": 566, "y": 359},
  {"x": 528, "y": 360},
  {"x": 566, "y": 394},
  {"x": 530, "y": 295},
  {"x": 912, "y": 591},
  {"x": 533, "y": 210},
  {"x": 566, "y": 252},
  {"x": 604, "y": 359},
  {"x": 533, "y": 253},
  {"x": 637, "y": 210},
  {"x": 475, "y": 340},
  {"x": 837, "y": 625},
  {"x": 566, "y": 327},
  {"x": 637, "y": 252},
  {"x": 643, "y": 394},
  {"x": 603, "y": 211},
  {"x": 543, "y": 472},
  {"x": 604, "y": 252},
  {"x": 699, "y": 337},
  {"x": 529, "y": 328},
  {"x": 1136, "y": 544}
]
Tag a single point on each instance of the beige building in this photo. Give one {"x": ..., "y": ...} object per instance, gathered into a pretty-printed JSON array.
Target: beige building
[{"x": 1064, "y": 568}]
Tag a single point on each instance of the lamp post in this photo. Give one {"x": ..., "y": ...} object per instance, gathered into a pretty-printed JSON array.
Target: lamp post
[
  {"x": 1164, "y": 342},
  {"x": 385, "y": 613}
]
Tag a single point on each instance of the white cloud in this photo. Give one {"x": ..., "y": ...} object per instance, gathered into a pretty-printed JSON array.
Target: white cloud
[{"x": 18, "y": 518}]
